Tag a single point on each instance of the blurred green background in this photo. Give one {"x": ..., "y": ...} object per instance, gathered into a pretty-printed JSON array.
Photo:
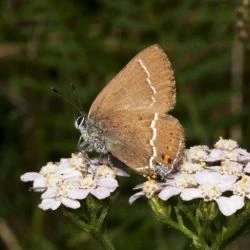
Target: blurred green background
[{"x": 46, "y": 43}]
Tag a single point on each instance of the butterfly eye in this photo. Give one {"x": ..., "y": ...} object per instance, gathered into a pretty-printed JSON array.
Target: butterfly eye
[{"x": 79, "y": 122}]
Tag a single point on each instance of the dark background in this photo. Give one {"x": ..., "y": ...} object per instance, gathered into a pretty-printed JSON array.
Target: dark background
[{"x": 46, "y": 43}]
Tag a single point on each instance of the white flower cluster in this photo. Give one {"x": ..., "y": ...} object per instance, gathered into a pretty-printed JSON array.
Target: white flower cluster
[
  {"x": 73, "y": 179},
  {"x": 221, "y": 174}
]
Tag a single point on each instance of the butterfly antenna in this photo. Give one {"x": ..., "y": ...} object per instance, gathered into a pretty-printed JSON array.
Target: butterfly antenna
[
  {"x": 73, "y": 87},
  {"x": 66, "y": 99}
]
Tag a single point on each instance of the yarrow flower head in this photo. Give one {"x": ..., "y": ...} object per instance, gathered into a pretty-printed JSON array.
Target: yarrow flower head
[
  {"x": 197, "y": 154},
  {"x": 220, "y": 174},
  {"x": 72, "y": 179},
  {"x": 148, "y": 189},
  {"x": 226, "y": 144}
]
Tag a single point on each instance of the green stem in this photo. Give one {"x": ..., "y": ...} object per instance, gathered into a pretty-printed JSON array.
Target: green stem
[
  {"x": 104, "y": 240},
  {"x": 180, "y": 225},
  {"x": 204, "y": 228},
  {"x": 198, "y": 240},
  {"x": 236, "y": 224},
  {"x": 94, "y": 226},
  {"x": 230, "y": 230},
  {"x": 163, "y": 213},
  {"x": 79, "y": 222},
  {"x": 190, "y": 216}
]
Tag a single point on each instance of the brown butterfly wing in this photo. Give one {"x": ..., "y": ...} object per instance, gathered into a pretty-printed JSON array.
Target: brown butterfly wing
[
  {"x": 127, "y": 137},
  {"x": 170, "y": 141},
  {"x": 147, "y": 81}
]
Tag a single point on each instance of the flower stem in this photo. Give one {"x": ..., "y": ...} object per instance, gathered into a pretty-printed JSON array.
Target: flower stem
[
  {"x": 104, "y": 240},
  {"x": 163, "y": 213},
  {"x": 91, "y": 220},
  {"x": 231, "y": 229}
]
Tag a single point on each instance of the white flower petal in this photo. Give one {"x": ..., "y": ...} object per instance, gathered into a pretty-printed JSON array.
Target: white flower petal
[
  {"x": 101, "y": 193},
  {"x": 168, "y": 192},
  {"x": 63, "y": 169},
  {"x": 170, "y": 181},
  {"x": 239, "y": 201},
  {"x": 244, "y": 159},
  {"x": 139, "y": 186},
  {"x": 78, "y": 194},
  {"x": 215, "y": 155},
  {"x": 94, "y": 160},
  {"x": 120, "y": 172},
  {"x": 244, "y": 156},
  {"x": 229, "y": 205},
  {"x": 49, "y": 193},
  {"x": 135, "y": 197},
  {"x": 108, "y": 182},
  {"x": 242, "y": 151},
  {"x": 247, "y": 168},
  {"x": 207, "y": 177},
  {"x": 215, "y": 168},
  {"x": 64, "y": 160},
  {"x": 30, "y": 176},
  {"x": 227, "y": 181},
  {"x": 40, "y": 183},
  {"x": 74, "y": 180},
  {"x": 190, "y": 194},
  {"x": 92, "y": 169},
  {"x": 70, "y": 203},
  {"x": 49, "y": 204},
  {"x": 72, "y": 174}
]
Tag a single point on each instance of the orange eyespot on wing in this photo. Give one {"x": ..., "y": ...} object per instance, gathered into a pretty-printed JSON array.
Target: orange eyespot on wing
[{"x": 166, "y": 159}]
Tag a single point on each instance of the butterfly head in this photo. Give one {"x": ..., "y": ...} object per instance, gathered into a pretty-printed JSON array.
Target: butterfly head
[
  {"x": 91, "y": 138},
  {"x": 80, "y": 122}
]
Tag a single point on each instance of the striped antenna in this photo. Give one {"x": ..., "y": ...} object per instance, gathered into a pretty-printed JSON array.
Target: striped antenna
[
  {"x": 76, "y": 96},
  {"x": 66, "y": 99}
]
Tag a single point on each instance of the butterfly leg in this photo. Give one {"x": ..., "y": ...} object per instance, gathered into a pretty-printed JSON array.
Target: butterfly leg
[
  {"x": 100, "y": 157},
  {"x": 79, "y": 148},
  {"x": 103, "y": 155}
]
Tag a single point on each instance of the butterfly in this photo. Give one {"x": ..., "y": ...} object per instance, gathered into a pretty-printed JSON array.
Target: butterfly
[{"x": 130, "y": 118}]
